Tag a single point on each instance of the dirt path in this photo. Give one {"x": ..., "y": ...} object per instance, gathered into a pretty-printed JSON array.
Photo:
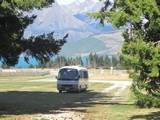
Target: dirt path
[
  {"x": 61, "y": 115},
  {"x": 118, "y": 86}
]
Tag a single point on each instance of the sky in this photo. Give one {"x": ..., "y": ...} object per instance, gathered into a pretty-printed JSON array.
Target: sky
[{"x": 69, "y": 1}]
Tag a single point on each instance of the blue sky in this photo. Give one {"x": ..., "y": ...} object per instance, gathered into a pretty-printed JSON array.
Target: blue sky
[{"x": 69, "y": 1}]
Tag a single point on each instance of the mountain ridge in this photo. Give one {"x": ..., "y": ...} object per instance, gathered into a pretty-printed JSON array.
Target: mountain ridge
[
  {"x": 56, "y": 19},
  {"x": 85, "y": 35}
]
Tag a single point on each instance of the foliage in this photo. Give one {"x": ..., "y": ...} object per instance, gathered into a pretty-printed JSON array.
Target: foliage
[
  {"x": 12, "y": 25},
  {"x": 91, "y": 61},
  {"x": 140, "y": 51},
  {"x": 61, "y": 61},
  {"x": 148, "y": 101},
  {"x": 96, "y": 61}
]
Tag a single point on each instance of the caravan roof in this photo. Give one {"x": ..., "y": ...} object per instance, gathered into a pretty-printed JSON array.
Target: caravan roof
[{"x": 74, "y": 67}]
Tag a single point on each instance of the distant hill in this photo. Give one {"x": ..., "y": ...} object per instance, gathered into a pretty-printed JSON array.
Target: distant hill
[
  {"x": 85, "y": 35},
  {"x": 113, "y": 41},
  {"x": 102, "y": 44},
  {"x": 82, "y": 47}
]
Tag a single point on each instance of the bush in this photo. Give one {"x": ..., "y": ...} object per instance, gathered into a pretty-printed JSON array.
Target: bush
[{"x": 148, "y": 101}]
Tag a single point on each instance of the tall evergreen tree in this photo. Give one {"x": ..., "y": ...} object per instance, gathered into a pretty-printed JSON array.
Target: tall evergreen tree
[
  {"x": 140, "y": 51},
  {"x": 91, "y": 60},
  {"x": 12, "y": 25}
]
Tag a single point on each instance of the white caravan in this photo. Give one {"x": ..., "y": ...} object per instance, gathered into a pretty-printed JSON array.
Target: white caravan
[{"x": 72, "y": 78}]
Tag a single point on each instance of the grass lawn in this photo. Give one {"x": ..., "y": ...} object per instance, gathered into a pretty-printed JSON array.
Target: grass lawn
[
  {"x": 105, "y": 74},
  {"x": 122, "y": 109},
  {"x": 94, "y": 74},
  {"x": 21, "y": 99}
]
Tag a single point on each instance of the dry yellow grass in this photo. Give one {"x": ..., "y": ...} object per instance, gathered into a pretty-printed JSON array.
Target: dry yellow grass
[
  {"x": 104, "y": 74},
  {"x": 94, "y": 74},
  {"x": 101, "y": 74}
]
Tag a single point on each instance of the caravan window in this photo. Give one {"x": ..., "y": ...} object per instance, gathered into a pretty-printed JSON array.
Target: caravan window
[
  {"x": 84, "y": 74},
  {"x": 68, "y": 74}
]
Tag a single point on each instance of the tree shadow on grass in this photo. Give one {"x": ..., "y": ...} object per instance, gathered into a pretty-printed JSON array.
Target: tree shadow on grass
[
  {"x": 151, "y": 116},
  {"x": 26, "y": 102}
]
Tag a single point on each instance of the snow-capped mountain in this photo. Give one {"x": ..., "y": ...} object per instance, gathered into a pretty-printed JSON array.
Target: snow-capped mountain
[
  {"x": 85, "y": 7},
  {"x": 59, "y": 20},
  {"x": 95, "y": 23},
  {"x": 80, "y": 10},
  {"x": 97, "y": 7},
  {"x": 79, "y": 7},
  {"x": 85, "y": 34}
]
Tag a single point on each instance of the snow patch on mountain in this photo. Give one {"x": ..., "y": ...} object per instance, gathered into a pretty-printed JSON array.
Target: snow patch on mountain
[
  {"x": 78, "y": 6},
  {"x": 57, "y": 19}
]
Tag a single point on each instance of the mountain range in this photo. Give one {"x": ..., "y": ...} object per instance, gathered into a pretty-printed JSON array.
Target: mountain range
[
  {"x": 80, "y": 7},
  {"x": 85, "y": 34},
  {"x": 57, "y": 19}
]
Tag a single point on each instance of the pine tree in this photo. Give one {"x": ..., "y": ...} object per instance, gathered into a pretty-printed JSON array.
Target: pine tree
[
  {"x": 107, "y": 62},
  {"x": 140, "y": 51},
  {"x": 91, "y": 60},
  {"x": 12, "y": 25}
]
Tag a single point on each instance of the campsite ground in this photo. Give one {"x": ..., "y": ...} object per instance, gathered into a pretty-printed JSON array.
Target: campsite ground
[{"x": 34, "y": 97}]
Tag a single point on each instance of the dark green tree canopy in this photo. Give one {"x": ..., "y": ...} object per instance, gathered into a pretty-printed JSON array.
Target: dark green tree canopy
[
  {"x": 12, "y": 25},
  {"x": 140, "y": 52}
]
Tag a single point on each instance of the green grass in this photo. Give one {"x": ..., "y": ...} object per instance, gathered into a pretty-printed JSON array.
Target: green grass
[
  {"x": 22, "y": 77},
  {"x": 123, "y": 109},
  {"x": 21, "y": 99}
]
